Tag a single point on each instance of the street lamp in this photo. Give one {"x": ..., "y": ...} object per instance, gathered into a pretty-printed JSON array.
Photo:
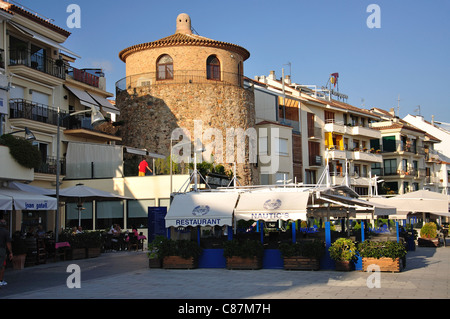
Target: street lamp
[
  {"x": 28, "y": 134},
  {"x": 96, "y": 117},
  {"x": 193, "y": 176}
]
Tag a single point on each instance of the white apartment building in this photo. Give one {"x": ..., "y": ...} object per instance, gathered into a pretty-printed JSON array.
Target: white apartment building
[
  {"x": 438, "y": 156},
  {"x": 325, "y": 133}
]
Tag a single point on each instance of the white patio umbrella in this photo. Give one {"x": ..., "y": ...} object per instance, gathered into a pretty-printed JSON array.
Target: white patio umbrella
[
  {"x": 86, "y": 193},
  {"x": 81, "y": 193}
]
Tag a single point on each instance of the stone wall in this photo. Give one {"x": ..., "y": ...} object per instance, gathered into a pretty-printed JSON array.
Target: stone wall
[{"x": 150, "y": 114}]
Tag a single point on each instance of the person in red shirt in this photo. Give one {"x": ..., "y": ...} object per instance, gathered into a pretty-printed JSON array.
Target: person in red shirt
[{"x": 143, "y": 166}]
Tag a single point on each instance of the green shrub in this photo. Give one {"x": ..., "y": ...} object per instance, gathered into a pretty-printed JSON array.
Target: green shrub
[
  {"x": 182, "y": 248},
  {"x": 309, "y": 249},
  {"x": 388, "y": 249},
  {"x": 243, "y": 248},
  {"x": 155, "y": 246},
  {"x": 429, "y": 230},
  {"x": 22, "y": 151},
  {"x": 343, "y": 249}
]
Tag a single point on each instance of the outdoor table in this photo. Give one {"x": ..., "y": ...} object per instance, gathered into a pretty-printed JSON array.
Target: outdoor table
[{"x": 62, "y": 244}]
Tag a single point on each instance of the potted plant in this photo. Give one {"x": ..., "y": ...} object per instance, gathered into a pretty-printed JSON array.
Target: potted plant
[
  {"x": 344, "y": 253},
  {"x": 303, "y": 255},
  {"x": 93, "y": 242},
  {"x": 179, "y": 254},
  {"x": 428, "y": 235},
  {"x": 388, "y": 255},
  {"x": 19, "y": 250},
  {"x": 77, "y": 244},
  {"x": 243, "y": 254},
  {"x": 154, "y": 258}
]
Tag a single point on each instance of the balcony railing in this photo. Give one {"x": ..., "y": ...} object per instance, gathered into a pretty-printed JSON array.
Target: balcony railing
[
  {"x": 49, "y": 166},
  {"x": 38, "y": 62},
  {"x": 146, "y": 80},
  {"x": 20, "y": 108},
  {"x": 84, "y": 76}
]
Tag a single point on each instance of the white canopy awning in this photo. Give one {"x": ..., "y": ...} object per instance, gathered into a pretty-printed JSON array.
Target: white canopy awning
[
  {"x": 106, "y": 105},
  {"x": 417, "y": 202},
  {"x": 83, "y": 96},
  {"x": 5, "y": 203},
  {"x": 363, "y": 207},
  {"x": 30, "y": 188},
  {"x": 201, "y": 209},
  {"x": 29, "y": 201},
  {"x": 272, "y": 206}
]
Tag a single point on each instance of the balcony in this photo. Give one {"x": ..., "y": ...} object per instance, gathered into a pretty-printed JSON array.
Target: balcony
[
  {"x": 366, "y": 156},
  {"x": 20, "y": 108},
  {"x": 332, "y": 126},
  {"x": 84, "y": 76},
  {"x": 49, "y": 166},
  {"x": 336, "y": 153},
  {"x": 431, "y": 155},
  {"x": 33, "y": 65},
  {"x": 364, "y": 131},
  {"x": 432, "y": 180}
]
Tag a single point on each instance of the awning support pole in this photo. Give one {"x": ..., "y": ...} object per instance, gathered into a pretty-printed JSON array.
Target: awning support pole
[
  {"x": 261, "y": 229},
  {"x": 294, "y": 236},
  {"x": 362, "y": 231},
  {"x": 398, "y": 236},
  {"x": 328, "y": 263}
]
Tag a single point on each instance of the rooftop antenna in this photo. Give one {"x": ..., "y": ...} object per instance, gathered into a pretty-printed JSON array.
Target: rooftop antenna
[
  {"x": 417, "y": 110},
  {"x": 289, "y": 63},
  {"x": 194, "y": 31}
]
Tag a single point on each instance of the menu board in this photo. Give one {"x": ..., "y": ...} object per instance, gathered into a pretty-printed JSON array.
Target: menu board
[{"x": 156, "y": 222}]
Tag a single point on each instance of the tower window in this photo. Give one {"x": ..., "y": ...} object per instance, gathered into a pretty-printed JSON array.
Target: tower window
[
  {"x": 213, "y": 68},
  {"x": 164, "y": 68}
]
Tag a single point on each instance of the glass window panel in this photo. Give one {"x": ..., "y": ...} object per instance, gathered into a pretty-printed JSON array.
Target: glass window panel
[
  {"x": 86, "y": 215},
  {"x": 109, "y": 209}
]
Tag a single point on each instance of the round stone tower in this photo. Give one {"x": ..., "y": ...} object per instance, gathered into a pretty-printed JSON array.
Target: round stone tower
[{"x": 191, "y": 83}]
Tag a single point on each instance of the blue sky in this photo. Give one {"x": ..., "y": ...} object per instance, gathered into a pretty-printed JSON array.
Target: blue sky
[{"x": 408, "y": 56}]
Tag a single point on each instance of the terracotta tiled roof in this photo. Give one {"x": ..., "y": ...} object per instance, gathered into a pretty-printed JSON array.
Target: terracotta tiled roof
[
  {"x": 181, "y": 39},
  {"x": 13, "y": 9},
  {"x": 397, "y": 125}
]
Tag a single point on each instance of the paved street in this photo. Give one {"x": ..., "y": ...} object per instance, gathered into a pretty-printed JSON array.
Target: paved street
[{"x": 125, "y": 275}]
